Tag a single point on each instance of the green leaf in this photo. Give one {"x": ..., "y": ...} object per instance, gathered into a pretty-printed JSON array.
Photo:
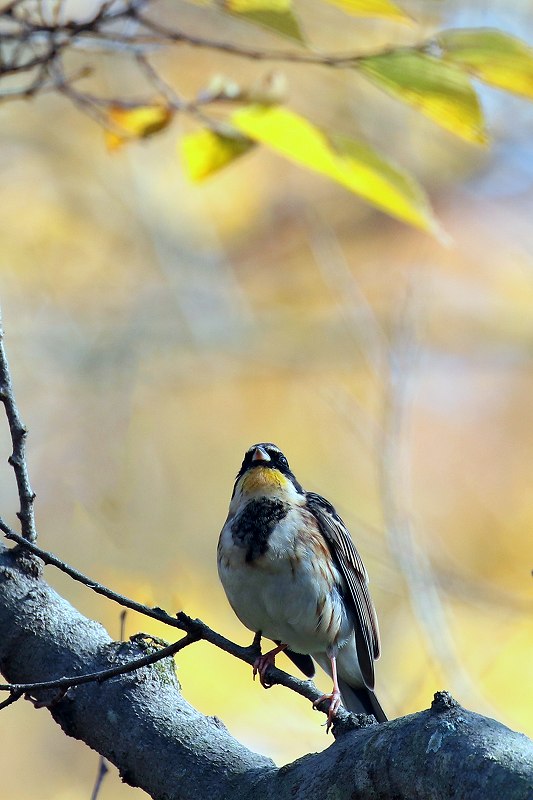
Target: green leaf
[
  {"x": 206, "y": 152},
  {"x": 276, "y": 15},
  {"x": 372, "y": 8},
  {"x": 354, "y": 165},
  {"x": 492, "y": 56},
  {"x": 439, "y": 90}
]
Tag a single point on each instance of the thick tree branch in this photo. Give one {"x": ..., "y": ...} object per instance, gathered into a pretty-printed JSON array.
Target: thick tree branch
[
  {"x": 63, "y": 684},
  {"x": 140, "y": 721},
  {"x": 143, "y": 725}
]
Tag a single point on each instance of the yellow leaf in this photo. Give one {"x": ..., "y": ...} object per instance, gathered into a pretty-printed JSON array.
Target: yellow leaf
[
  {"x": 437, "y": 89},
  {"x": 354, "y": 165},
  {"x": 275, "y": 15},
  {"x": 251, "y": 6},
  {"x": 128, "y": 124},
  {"x": 492, "y": 56},
  {"x": 206, "y": 152},
  {"x": 372, "y": 8}
]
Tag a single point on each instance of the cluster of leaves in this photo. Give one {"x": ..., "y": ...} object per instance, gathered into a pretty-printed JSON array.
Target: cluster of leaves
[{"x": 433, "y": 76}]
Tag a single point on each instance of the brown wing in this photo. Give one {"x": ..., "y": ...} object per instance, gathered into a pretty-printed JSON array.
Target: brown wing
[{"x": 353, "y": 570}]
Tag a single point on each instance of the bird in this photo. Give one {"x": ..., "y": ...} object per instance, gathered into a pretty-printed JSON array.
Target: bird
[{"x": 292, "y": 574}]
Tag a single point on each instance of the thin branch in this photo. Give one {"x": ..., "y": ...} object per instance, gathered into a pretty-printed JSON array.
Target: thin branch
[
  {"x": 54, "y": 561},
  {"x": 18, "y": 457},
  {"x": 71, "y": 32},
  {"x": 25, "y": 29},
  {"x": 103, "y": 675},
  {"x": 13, "y": 697},
  {"x": 123, "y": 615},
  {"x": 342, "y": 61},
  {"x": 153, "y": 77},
  {"x": 103, "y": 769},
  {"x": 194, "y": 627},
  {"x": 104, "y": 15}
]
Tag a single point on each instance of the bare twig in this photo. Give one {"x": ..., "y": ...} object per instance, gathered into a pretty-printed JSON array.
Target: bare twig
[
  {"x": 103, "y": 769},
  {"x": 14, "y": 66},
  {"x": 103, "y": 25},
  {"x": 18, "y": 689},
  {"x": 12, "y": 698},
  {"x": 123, "y": 615},
  {"x": 18, "y": 457},
  {"x": 153, "y": 77},
  {"x": 342, "y": 61},
  {"x": 33, "y": 41},
  {"x": 54, "y": 561}
]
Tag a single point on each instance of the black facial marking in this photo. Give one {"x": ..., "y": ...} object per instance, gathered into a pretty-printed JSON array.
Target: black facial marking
[{"x": 251, "y": 529}]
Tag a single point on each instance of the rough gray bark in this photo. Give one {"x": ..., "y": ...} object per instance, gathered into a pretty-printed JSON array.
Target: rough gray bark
[{"x": 142, "y": 723}]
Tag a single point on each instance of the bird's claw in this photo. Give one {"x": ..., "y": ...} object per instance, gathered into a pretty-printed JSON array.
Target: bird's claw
[
  {"x": 334, "y": 705},
  {"x": 261, "y": 666}
]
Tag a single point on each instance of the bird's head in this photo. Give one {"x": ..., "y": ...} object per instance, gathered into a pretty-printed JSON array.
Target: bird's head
[{"x": 265, "y": 472}]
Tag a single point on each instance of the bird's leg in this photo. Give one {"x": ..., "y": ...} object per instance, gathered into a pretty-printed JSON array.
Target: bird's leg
[
  {"x": 262, "y": 663},
  {"x": 334, "y": 698}
]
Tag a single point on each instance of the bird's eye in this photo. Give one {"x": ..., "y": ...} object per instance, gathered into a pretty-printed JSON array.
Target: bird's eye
[{"x": 283, "y": 461}]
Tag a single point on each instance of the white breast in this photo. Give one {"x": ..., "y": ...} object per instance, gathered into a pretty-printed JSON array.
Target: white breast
[{"x": 284, "y": 593}]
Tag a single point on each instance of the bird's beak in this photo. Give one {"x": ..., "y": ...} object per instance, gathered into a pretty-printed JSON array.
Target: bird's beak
[{"x": 260, "y": 454}]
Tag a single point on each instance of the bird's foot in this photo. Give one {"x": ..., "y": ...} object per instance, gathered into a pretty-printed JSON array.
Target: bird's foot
[
  {"x": 334, "y": 705},
  {"x": 262, "y": 664}
]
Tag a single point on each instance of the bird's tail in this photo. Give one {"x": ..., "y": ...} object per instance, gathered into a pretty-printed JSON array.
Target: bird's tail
[{"x": 361, "y": 701}]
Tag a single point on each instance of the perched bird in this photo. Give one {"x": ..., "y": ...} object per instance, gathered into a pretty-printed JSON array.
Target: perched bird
[{"x": 291, "y": 571}]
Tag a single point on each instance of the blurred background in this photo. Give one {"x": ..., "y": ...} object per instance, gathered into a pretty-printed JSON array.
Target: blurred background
[{"x": 156, "y": 329}]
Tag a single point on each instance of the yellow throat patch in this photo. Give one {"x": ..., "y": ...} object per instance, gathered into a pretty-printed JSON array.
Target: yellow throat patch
[{"x": 263, "y": 479}]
